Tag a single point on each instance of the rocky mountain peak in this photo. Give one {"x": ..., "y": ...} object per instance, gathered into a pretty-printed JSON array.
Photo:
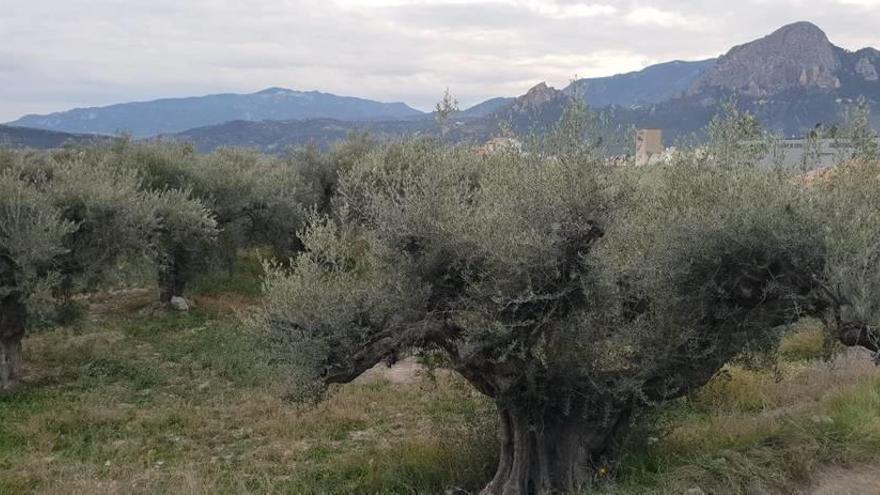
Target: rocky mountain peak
[
  {"x": 537, "y": 96},
  {"x": 798, "y": 55},
  {"x": 804, "y": 29}
]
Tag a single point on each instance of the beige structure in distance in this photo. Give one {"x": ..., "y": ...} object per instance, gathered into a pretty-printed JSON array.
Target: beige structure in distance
[{"x": 649, "y": 142}]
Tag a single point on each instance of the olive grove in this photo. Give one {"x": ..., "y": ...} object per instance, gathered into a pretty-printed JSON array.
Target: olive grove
[
  {"x": 248, "y": 200},
  {"x": 75, "y": 217}
]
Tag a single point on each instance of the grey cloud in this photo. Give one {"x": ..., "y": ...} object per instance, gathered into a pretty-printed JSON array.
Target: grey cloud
[{"x": 63, "y": 53}]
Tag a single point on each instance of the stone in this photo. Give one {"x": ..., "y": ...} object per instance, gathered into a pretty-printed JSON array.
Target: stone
[{"x": 179, "y": 304}]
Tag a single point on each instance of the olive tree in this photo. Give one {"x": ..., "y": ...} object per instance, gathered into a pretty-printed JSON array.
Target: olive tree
[
  {"x": 572, "y": 294},
  {"x": 112, "y": 216},
  {"x": 735, "y": 138},
  {"x": 31, "y": 236},
  {"x": 319, "y": 172},
  {"x": 184, "y": 230},
  {"x": 847, "y": 205},
  {"x": 861, "y": 137},
  {"x": 233, "y": 199},
  {"x": 254, "y": 199},
  {"x": 64, "y": 226}
]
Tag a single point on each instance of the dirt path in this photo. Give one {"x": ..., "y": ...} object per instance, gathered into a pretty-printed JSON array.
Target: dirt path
[
  {"x": 855, "y": 480},
  {"x": 405, "y": 371}
]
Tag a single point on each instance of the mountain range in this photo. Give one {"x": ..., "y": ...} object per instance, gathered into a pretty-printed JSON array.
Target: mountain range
[
  {"x": 172, "y": 115},
  {"x": 791, "y": 80}
]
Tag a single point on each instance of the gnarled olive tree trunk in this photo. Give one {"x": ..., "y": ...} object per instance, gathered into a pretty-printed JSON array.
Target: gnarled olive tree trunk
[
  {"x": 556, "y": 453},
  {"x": 13, "y": 314},
  {"x": 173, "y": 276}
]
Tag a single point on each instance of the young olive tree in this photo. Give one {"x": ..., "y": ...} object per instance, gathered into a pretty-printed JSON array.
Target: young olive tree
[
  {"x": 444, "y": 111},
  {"x": 571, "y": 293}
]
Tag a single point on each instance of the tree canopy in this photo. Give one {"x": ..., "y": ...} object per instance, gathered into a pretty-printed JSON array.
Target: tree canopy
[{"x": 572, "y": 293}]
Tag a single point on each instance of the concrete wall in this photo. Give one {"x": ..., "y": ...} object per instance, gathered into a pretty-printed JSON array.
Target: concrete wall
[
  {"x": 648, "y": 142},
  {"x": 799, "y": 153}
]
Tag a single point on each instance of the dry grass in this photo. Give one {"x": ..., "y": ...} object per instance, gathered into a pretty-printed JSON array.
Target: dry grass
[
  {"x": 806, "y": 342},
  {"x": 762, "y": 431},
  {"x": 136, "y": 400}
]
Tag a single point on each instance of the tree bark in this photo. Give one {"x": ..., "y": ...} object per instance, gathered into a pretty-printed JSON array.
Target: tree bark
[
  {"x": 172, "y": 280},
  {"x": 13, "y": 315},
  {"x": 859, "y": 335},
  {"x": 554, "y": 453}
]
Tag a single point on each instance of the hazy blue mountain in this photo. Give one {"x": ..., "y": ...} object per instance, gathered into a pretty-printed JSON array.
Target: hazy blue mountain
[
  {"x": 25, "y": 137},
  {"x": 174, "y": 115},
  {"x": 485, "y": 108},
  {"x": 652, "y": 84}
]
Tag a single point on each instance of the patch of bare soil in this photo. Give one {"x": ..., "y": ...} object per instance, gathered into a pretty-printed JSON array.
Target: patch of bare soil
[
  {"x": 404, "y": 372},
  {"x": 853, "y": 480},
  {"x": 121, "y": 301}
]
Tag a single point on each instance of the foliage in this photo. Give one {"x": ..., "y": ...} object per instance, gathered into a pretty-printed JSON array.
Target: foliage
[
  {"x": 320, "y": 172},
  {"x": 98, "y": 207},
  {"x": 32, "y": 234},
  {"x": 575, "y": 296},
  {"x": 112, "y": 215},
  {"x": 734, "y": 137},
  {"x": 571, "y": 293},
  {"x": 860, "y": 134},
  {"x": 847, "y": 205},
  {"x": 214, "y": 205},
  {"x": 185, "y": 230},
  {"x": 578, "y": 131},
  {"x": 65, "y": 226},
  {"x": 445, "y": 109}
]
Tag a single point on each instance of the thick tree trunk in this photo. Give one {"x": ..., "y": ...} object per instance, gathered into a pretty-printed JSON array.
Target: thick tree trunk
[
  {"x": 12, "y": 325},
  {"x": 855, "y": 335},
  {"x": 556, "y": 454},
  {"x": 172, "y": 281}
]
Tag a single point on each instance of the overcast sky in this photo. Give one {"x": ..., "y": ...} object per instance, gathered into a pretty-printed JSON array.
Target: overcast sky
[{"x": 59, "y": 54}]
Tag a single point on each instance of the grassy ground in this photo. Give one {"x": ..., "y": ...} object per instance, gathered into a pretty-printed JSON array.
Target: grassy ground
[{"x": 137, "y": 400}]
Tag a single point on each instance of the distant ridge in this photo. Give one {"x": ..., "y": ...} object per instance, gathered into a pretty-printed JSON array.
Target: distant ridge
[
  {"x": 172, "y": 115},
  {"x": 652, "y": 84},
  {"x": 24, "y": 137}
]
